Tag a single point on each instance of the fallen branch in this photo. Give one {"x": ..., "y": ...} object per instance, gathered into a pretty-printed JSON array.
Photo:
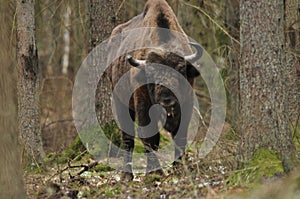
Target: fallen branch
[{"x": 84, "y": 166}]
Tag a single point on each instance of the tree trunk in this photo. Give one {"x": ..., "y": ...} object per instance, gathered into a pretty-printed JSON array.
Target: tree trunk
[
  {"x": 11, "y": 178},
  {"x": 263, "y": 76},
  {"x": 102, "y": 20},
  {"x": 292, "y": 14},
  {"x": 67, "y": 40},
  {"x": 28, "y": 83}
]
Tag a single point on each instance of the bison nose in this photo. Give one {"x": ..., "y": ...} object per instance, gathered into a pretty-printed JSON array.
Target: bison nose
[{"x": 167, "y": 102}]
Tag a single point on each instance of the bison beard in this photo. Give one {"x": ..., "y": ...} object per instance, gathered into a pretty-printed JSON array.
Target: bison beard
[{"x": 157, "y": 13}]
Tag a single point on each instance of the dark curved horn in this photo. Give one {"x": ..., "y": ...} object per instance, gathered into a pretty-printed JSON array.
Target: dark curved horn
[
  {"x": 135, "y": 62},
  {"x": 194, "y": 57}
]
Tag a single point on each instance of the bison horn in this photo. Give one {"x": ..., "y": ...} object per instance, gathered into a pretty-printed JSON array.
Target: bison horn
[
  {"x": 194, "y": 57},
  {"x": 135, "y": 62}
]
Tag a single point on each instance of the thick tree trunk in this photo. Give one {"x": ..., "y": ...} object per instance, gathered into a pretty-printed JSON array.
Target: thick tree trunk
[
  {"x": 11, "y": 178},
  {"x": 263, "y": 76},
  {"x": 292, "y": 14},
  {"x": 28, "y": 83},
  {"x": 102, "y": 20}
]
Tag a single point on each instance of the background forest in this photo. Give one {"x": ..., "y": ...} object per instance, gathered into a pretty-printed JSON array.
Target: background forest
[{"x": 258, "y": 59}]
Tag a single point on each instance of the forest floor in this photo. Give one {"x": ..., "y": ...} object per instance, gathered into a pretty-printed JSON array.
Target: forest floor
[
  {"x": 93, "y": 184},
  {"x": 211, "y": 177}
]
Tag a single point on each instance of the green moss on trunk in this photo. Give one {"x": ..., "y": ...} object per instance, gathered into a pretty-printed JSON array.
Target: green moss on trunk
[{"x": 264, "y": 164}]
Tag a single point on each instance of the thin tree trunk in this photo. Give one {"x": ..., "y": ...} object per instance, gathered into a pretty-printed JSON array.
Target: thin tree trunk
[
  {"x": 67, "y": 40},
  {"x": 102, "y": 20},
  {"x": 263, "y": 76},
  {"x": 28, "y": 83},
  {"x": 11, "y": 178}
]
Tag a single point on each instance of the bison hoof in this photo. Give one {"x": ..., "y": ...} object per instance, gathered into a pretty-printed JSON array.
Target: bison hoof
[
  {"x": 127, "y": 176},
  {"x": 177, "y": 164}
]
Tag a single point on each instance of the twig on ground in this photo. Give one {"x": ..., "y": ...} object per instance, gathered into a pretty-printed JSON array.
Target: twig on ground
[{"x": 84, "y": 166}]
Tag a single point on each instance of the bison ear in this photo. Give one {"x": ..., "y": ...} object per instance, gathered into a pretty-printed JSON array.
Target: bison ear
[{"x": 192, "y": 72}]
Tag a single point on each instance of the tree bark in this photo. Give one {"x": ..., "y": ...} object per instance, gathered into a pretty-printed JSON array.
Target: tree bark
[
  {"x": 11, "y": 178},
  {"x": 292, "y": 14},
  {"x": 103, "y": 17},
  {"x": 263, "y": 76},
  {"x": 28, "y": 83}
]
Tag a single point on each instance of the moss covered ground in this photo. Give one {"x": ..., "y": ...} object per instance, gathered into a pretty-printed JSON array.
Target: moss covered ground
[{"x": 74, "y": 173}]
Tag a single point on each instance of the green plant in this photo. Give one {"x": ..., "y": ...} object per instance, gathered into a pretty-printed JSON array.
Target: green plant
[{"x": 264, "y": 163}]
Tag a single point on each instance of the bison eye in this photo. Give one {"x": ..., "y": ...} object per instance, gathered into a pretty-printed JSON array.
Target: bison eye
[{"x": 192, "y": 72}]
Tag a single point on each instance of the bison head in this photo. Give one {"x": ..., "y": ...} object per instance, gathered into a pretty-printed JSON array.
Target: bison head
[{"x": 159, "y": 93}]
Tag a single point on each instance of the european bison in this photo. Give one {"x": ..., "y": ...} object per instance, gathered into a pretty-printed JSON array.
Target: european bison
[{"x": 141, "y": 63}]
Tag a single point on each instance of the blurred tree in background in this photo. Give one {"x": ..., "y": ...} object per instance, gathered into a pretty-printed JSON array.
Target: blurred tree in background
[
  {"x": 61, "y": 30},
  {"x": 232, "y": 23},
  {"x": 11, "y": 178}
]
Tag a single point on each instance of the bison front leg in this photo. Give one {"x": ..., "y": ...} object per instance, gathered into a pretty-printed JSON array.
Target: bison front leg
[
  {"x": 180, "y": 130},
  {"x": 180, "y": 141},
  {"x": 151, "y": 146},
  {"x": 128, "y": 135},
  {"x": 150, "y": 136},
  {"x": 128, "y": 145}
]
